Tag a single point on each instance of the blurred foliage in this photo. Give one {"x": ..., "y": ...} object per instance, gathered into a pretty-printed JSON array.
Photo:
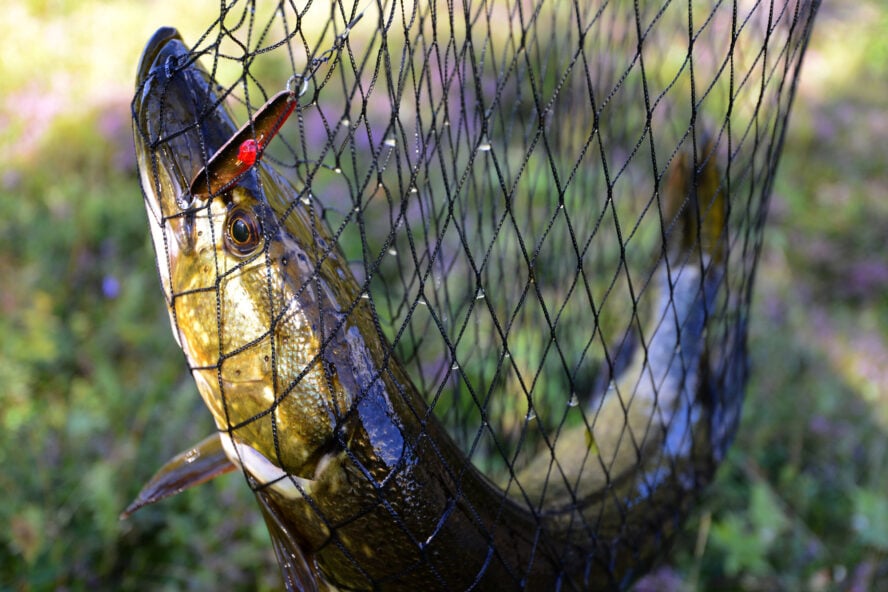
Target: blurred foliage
[{"x": 95, "y": 396}]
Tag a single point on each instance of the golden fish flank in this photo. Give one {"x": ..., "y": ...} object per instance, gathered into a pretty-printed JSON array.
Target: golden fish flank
[{"x": 227, "y": 320}]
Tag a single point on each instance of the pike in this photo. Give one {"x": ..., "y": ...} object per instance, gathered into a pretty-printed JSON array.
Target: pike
[{"x": 359, "y": 484}]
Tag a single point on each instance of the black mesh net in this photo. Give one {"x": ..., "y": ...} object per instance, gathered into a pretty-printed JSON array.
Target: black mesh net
[{"x": 515, "y": 242}]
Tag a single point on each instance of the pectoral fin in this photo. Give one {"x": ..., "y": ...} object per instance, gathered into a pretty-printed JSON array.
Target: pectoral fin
[{"x": 202, "y": 462}]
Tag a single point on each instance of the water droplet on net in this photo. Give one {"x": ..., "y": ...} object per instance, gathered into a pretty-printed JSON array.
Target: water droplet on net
[
  {"x": 337, "y": 170},
  {"x": 365, "y": 295},
  {"x": 454, "y": 366},
  {"x": 345, "y": 122},
  {"x": 479, "y": 295},
  {"x": 392, "y": 252},
  {"x": 484, "y": 147},
  {"x": 422, "y": 301},
  {"x": 390, "y": 142},
  {"x": 531, "y": 415},
  {"x": 574, "y": 400}
]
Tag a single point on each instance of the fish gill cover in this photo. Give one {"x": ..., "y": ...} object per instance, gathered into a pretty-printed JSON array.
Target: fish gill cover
[{"x": 514, "y": 245}]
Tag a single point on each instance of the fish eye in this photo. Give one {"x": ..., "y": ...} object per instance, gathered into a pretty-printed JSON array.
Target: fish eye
[{"x": 242, "y": 232}]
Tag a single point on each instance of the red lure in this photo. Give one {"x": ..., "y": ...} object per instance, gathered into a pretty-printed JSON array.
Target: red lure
[
  {"x": 244, "y": 148},
  {"x": 248, "y": 152}
]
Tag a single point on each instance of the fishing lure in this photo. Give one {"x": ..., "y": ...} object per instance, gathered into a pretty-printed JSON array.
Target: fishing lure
[{"x": 240, "y": 153}]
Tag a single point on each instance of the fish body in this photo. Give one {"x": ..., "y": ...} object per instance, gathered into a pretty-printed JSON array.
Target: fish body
[{"x": 360, "y": 485}]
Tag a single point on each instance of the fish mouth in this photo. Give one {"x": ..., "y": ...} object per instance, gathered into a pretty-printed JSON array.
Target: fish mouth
[
  {"x": 178, "y": 122},
  {"x": 158, "y": 41}
]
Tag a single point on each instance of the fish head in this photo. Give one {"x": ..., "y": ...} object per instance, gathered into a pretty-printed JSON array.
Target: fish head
[{"x": 249, "y": 274}]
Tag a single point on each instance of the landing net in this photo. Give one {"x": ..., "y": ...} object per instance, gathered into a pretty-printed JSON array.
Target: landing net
[{"x": 508, "y": 180}]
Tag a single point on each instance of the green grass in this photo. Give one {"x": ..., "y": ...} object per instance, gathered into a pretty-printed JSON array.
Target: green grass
[{"x": 95, "y": 395}]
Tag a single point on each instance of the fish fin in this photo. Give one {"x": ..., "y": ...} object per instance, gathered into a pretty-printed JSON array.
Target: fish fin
[
  {"x": 695, "y": 204},
  {"x": 298, "y": 569},
  {"x": 712, "y": 203},
  {"x": 200, "y": 463}
]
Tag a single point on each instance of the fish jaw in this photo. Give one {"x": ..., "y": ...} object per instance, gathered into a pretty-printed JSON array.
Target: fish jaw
[{"x": 167, "y": 151}]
